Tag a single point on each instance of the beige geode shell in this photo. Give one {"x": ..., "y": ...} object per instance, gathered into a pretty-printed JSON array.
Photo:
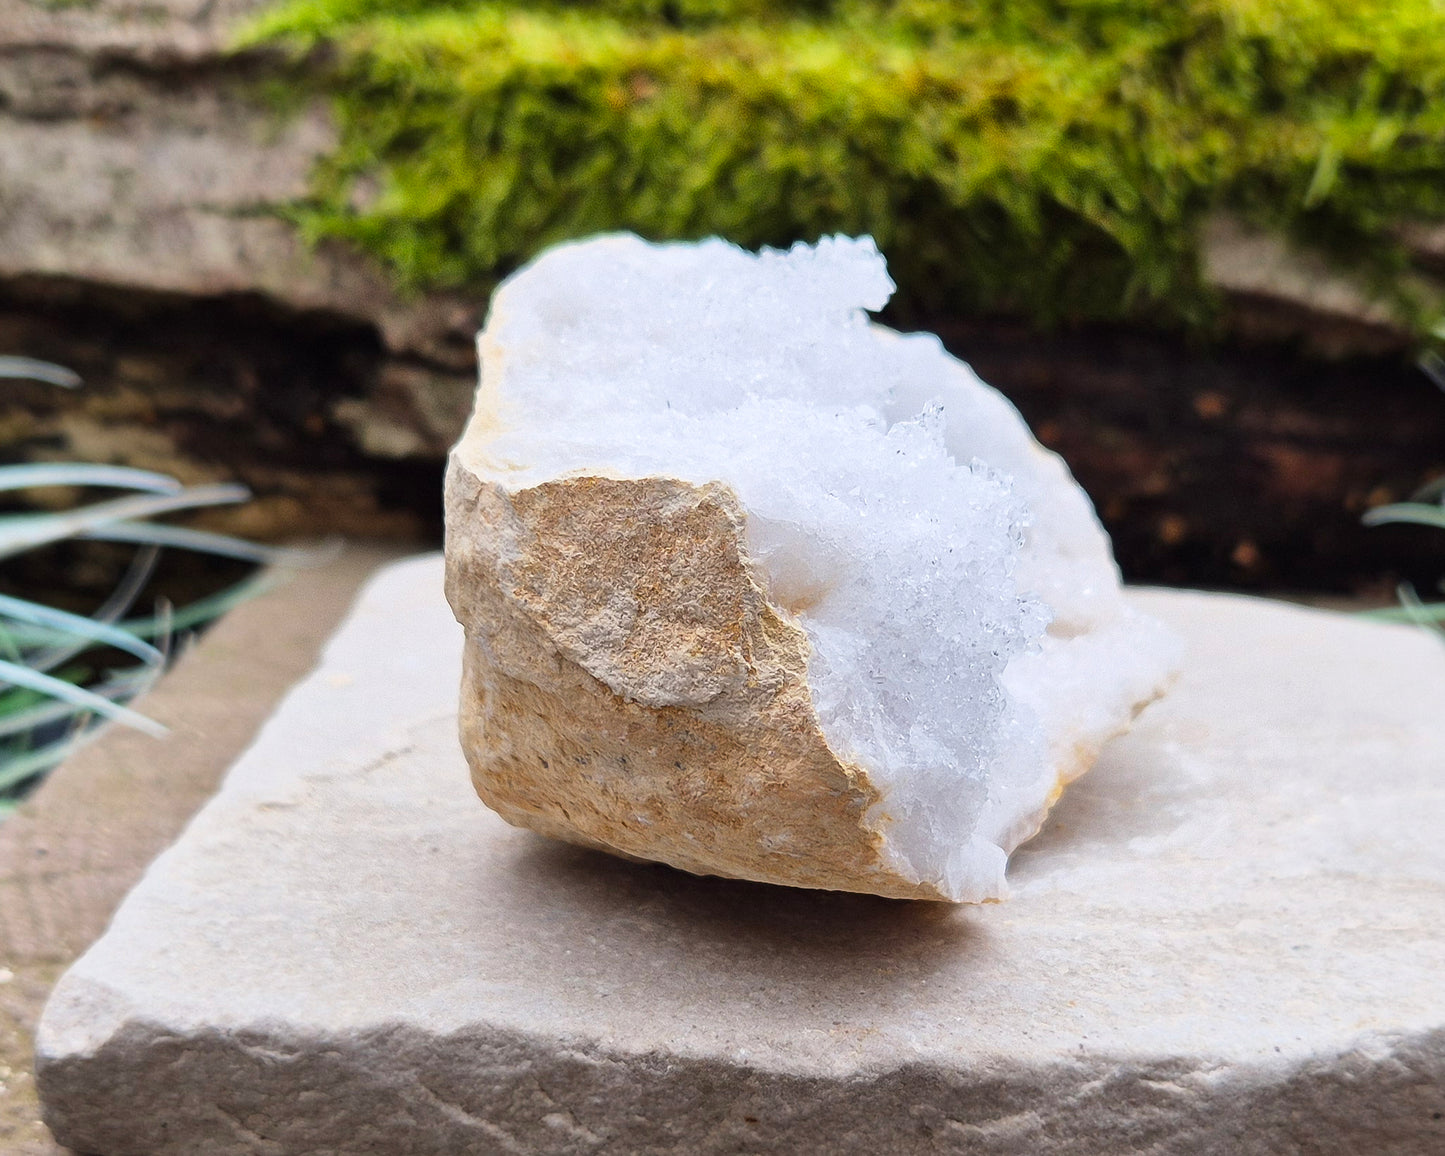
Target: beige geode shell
[{"x": 627, "y": 685}]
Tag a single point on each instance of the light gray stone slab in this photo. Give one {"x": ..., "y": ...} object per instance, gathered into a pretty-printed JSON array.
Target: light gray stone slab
[{"x": 1230, "y": 938}]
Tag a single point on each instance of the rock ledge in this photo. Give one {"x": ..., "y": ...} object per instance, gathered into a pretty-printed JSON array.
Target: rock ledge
[{"x": 1227, "y": 939}]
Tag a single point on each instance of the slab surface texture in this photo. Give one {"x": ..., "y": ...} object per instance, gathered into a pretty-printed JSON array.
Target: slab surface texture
[
  {"x": 80, "y": 842},
  {"x": 1229, "y": 938}
]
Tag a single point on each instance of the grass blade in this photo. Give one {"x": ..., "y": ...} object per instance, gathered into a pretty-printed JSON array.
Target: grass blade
[
  {"x": 117, "y": 603},
  {"x": 27, "y": 531},
  {"x": 9, "y": 644},
  {"x": 1417, "y": 613},
  {"x": 1430, "y": 492},
  {"x": 1411, "y": 610},
  {"x": 203, "y": 609},
  {"x": 1421, "y": 614},
  {"x": 184, "y": 618},
  {"x": 32, "y": 369},
  {"x": 18, "y": 675},
  {"x": 202, "y": 540},
  {"x": 1416, "y": 513},
  {"x": 33, "y": 475},
  {"x": 121, "y": 687},
  {"x": 91, "y": 631}
]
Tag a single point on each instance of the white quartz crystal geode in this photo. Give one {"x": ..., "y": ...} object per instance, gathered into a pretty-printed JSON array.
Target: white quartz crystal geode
[{"x": 758, "y": 588}]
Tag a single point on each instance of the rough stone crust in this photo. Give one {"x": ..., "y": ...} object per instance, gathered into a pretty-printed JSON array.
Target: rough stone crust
[{"x": 627, "y": 685}]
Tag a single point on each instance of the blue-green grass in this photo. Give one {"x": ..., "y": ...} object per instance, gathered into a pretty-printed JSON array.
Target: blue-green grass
[{"x": 63, "y": 676}]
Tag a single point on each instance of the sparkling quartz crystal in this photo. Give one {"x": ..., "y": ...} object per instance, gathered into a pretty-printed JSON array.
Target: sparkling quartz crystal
[{"x": 757, "y": 587}]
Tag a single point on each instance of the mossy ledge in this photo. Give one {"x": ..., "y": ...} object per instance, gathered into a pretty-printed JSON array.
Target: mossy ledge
[{"x": 1049, "y": 157}]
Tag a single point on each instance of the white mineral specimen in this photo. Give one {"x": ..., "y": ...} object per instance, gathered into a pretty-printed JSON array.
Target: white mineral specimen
[{"x": 759, "y": 588}]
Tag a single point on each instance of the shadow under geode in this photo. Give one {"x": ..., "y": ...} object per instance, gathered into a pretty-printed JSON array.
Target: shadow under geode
[
  {"x": 829, "y": 949},
  {"x": 1126, "y": 796},
  {"x": 770, "y": 931}
]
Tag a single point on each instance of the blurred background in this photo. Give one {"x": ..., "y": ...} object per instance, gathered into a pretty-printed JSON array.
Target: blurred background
[{"x": 1200, "y": 244}]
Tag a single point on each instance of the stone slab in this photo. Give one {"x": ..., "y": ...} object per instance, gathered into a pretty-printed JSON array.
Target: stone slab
[
  {"x": 1229, "y": 938},
  {"x": 86, "y": 835}
]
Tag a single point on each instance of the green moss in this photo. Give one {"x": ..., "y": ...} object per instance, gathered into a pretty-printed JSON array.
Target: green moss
[{"x": 1051, "y": 156}]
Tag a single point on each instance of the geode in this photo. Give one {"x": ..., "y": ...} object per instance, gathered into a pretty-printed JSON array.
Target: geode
[{"x": 759, "y": 588}]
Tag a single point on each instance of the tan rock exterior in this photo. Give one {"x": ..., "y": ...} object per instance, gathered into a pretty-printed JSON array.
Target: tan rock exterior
[{"x": 627, "y": 685}]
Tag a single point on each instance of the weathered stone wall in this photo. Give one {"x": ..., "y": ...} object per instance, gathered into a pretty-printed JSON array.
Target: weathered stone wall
[{"x": 140, "y": 170}]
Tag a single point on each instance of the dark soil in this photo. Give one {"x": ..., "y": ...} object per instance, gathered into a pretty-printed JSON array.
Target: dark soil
[
  {"x": 229, "y": 388},
  {"x": 1234, "y": 465}
]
